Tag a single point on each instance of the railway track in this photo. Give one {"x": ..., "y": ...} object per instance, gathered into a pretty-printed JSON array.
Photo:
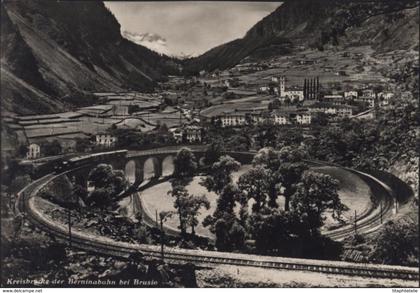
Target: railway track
[
  {"x": 371, "y": 221},
  {"x": 106, "y": 246}
]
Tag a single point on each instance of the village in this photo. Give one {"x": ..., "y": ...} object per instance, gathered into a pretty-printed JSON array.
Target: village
[{"x": 187, "y": 106}]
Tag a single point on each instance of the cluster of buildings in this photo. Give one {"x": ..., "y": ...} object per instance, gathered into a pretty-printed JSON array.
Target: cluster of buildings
[
  {"x": 236, "y": 118},
  {"x": 188, "y": 133},
  {"x": 285, "y": 116},
  {"x": 311, "y": 104}
]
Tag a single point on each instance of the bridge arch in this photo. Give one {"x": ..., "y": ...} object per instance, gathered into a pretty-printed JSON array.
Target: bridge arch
[
  {"x": 152, "y": 168},
  {"x": 168, "y": 165},
  {"x": 130, "y": 171}
]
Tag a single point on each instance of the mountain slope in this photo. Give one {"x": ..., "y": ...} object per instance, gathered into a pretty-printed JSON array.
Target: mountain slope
[
  {"x": 384, "y": 24},
  {"x": 55, "y": 49}
]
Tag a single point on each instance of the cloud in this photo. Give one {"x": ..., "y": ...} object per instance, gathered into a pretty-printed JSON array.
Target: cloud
[
  {"x": 151, "y": 41},
  {"x": 191, "y": 27}
]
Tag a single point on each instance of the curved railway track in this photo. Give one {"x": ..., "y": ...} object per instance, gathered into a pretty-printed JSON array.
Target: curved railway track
[
  {"x": 370, "y": 221},
  {"x": 106, "y": 246}
]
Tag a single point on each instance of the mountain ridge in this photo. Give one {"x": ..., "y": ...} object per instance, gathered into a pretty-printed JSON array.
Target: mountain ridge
[
  {"x": 60, "y": 50},
  {"x": 315, "y": 24}
]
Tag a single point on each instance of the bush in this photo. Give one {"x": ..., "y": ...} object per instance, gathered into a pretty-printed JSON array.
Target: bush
[{"x": 397, "y": 244}]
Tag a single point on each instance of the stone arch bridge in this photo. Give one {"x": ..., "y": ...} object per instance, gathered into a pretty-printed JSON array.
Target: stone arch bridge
[{"x": 139, "y": 166}]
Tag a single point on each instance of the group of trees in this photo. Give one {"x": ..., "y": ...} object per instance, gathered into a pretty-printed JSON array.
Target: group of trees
[
  {"x": 187, "y": 205},
  {"x": 134, "y": 139},
  {"x": 361, "y": 144},
  {"x": 230, "y": 234},
  {"x": 275, "y": 229},
  {"x": 368, "y": 145},
  {"x": 51, "y": 148},
  {"x": 307, "y": 196},
  {"x": 107, "y": 185}
]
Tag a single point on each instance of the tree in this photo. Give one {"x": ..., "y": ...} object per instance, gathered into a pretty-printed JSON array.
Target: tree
[
  {"x": 320, "y": 119},
  {"x": 101, "y": 176},
  {"x": 397, "y": 244},
  {"x": 237, "y": 236},
  {"x": 225, "y": 205},
  {"x": 213, "y": 152},
  {"x": 83, "y": 144},
  {"x": 291, "y": 169},
  {"x": 254, "y": 185},
  {"x": 222, "y": 235},
  {"x": 221, "y": 174},
  {"x": 185, "y": 164},
  {"x": 230, "y": 234},
  {"x": 269, "y": 159},
  {"x": 181, "y": 194},
  {"x": 187, "y": 207},
  {"x": 314, "y": 195},
  {"x": 107, "y": 182},
  {"x": 80, "y": 192},
  {"x": 18, "y": 183},
  {"x": 275, "y": 104},
  {"x": 271, "y": 231},
  {"x": 193, "y": 205},
  {"x": 22, "y": 150},
  {"x": 52, "y": 148}
]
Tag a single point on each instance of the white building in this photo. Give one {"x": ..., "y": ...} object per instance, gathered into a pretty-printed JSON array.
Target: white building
[
  {"x": 339, "y": 111},
  {"x": 232, "y": 119},
  {"x": 385, "y": 98},
  {"x": 303, "y": 118},
  {"x": 34, "y": 151},
  {"x": 193, "y": 133},
  {"x": 294, "y": 94},
  {"x": 331, "y": 110},
  {"x": 344, "y": 112},
  {"x": 280, "y": 118},
  {"x": 368, "y": 93},
  {"x": 177, "y": 134},
  {"x": 105, "y": 139},
  {"x": 350, "y": 94},
  {"x": 291, "y": 94},
  {"x": 264, "y": 89}
]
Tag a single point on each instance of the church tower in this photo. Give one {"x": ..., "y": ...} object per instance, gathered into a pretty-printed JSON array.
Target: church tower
[{"x": 282, "y": 85}]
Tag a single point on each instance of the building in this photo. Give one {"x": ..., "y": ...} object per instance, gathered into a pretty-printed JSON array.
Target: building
[
  {"x": 385, "y": 98},
  {"x": 105, "y": 139},
  {"x": 350, "y": 94},
  {"x": 292, "y": 94},
  {"x": 323, "y": 108},
  {"x": 34, "y": 151},
  {"x": 232, "y": 119},
  {"x": 368, "y": 93},
  {"x": 177, "y": 133},
  {"x": 334, "y": 99},
  {"x": 344, "y": 112},
  {"x": 264, "y": 89},
  {"x": 303, "y": 118},
  {"x": 192, "y": 133},
  {"x": 367, "y": 99},
  {"x": 280, "y": 118},
  {"x": 337, "y": 111}
]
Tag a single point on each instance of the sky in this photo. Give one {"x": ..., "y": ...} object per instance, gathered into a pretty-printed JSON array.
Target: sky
[{"x": 190, "y": 28}]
